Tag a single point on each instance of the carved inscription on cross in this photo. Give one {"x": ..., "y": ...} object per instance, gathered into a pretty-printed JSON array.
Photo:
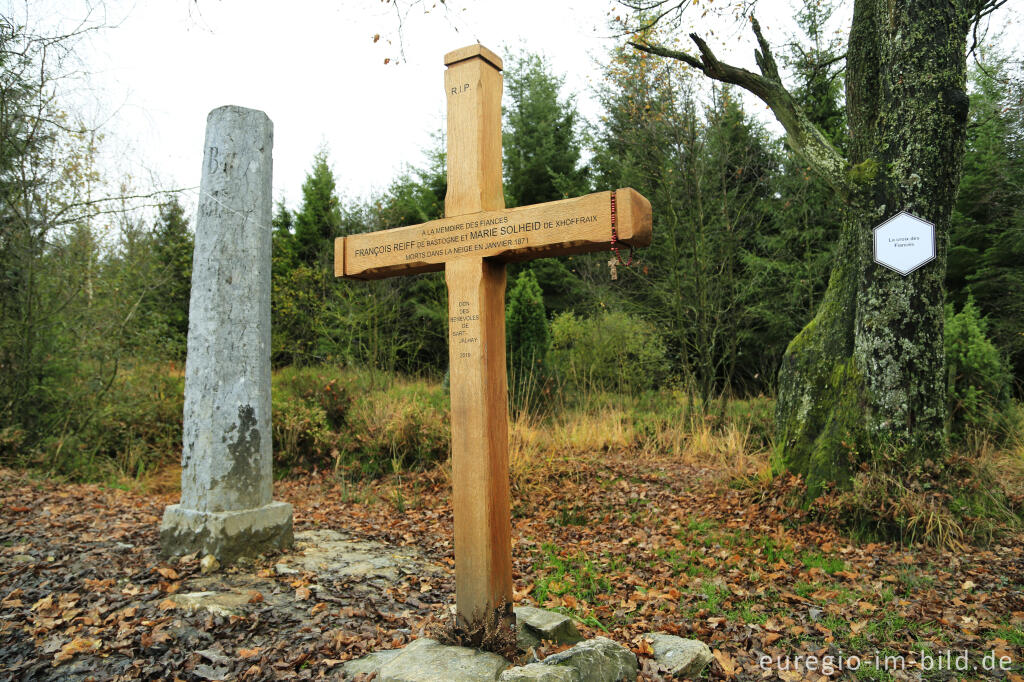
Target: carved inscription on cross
[{"x": 472, "y": 243}]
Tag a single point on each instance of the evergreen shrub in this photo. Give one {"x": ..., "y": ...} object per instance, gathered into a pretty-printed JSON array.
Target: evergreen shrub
[
  {"x": 526, "y": 326},
  {"x": 353, "y": 421},
  {"x": 527, "y": 339},
  {"x": 126, "y": 431},
  {"x": 613, "y": 351},
  {"x": 979, "y": 379}
]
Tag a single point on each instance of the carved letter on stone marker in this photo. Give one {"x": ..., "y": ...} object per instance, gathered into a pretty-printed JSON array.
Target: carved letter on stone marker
[{"x": 226, "y": 508}]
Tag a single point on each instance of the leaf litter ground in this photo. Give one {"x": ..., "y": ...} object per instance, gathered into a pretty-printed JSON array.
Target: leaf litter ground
[{"x": 626, "y": 545}]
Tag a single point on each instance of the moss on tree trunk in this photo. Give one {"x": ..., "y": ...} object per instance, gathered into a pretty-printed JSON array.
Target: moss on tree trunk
[
  {"x": 867, "y": 375},
  {"x": 816, "y": 420}
]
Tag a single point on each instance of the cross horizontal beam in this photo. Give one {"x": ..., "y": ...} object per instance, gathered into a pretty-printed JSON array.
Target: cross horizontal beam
[{"x": 557, "y": 228}]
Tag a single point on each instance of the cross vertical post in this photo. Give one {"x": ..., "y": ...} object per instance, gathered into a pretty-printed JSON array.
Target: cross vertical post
[
  {"x": 472, "y": 244},
  {"x": 476, "y": 346}
]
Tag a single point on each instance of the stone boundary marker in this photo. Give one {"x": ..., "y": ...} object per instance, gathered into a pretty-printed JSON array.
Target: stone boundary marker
[{"x": 226, "y": 508}]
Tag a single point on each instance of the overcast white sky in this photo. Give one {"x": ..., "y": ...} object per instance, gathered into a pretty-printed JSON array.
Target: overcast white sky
[
  {"x": 313, "y": 67},
  {"x": 315, "y": 70}
]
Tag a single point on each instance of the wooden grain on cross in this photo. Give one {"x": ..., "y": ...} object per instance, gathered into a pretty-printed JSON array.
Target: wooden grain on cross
[
  {"x": 472, "y": 243},
  {"x": 556, "y": 228}
]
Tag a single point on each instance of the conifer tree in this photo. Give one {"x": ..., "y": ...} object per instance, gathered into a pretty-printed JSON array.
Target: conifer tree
[
  {"x": 542, "y": 159},
  {"x": 526, "y": 325},
  {"x": 986, "y": 252},
  {"x": 708, "y": 178},
  {"x": 790, "y": 261},
  {"x": 318, "y": 221},
  {"x": 540, "y": 140},
  {"x": 173, "y": 243}
]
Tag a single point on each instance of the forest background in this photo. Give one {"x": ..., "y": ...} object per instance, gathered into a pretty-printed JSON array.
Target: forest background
[{"x": 682, "y": 349}]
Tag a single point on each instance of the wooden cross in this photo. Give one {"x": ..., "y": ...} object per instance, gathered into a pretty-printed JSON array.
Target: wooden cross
[{"x": 472, "y": 243}]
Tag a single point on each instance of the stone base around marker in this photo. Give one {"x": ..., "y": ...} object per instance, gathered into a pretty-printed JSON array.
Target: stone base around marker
[{"x": 226, "y": 535}]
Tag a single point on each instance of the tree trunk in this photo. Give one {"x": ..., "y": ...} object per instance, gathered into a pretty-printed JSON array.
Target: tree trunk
[
  {"x": 866, "y": 378},
  {"x": 864, "y": 382}
]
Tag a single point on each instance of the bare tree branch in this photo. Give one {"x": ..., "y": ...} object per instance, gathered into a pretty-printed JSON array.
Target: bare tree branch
[
  {"x": 803, "y": 136},
  {"x": 664, "y": 8}
]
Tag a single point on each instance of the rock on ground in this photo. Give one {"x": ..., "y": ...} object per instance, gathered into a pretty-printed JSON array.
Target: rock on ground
[
  {"x": 596, "y": 660},
  {"x": 223, "y": 604},
  {"x": 425, "y": 660},
  {"x": 369, "y": 664},
  {"x": 538, "y": 672},
  {"x": 678, "y": 656},
  {"x": 340, "y": 556},
  {"x": 535, "y": 624}
]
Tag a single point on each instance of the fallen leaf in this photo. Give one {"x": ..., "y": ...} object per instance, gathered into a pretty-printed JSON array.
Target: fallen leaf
[
  {"x": 519, "y": 595},
  {"x": 168, "y": 573},
  {"x": 75, "y": 646},
  {"x": 303, "y": 593},
  {"x": 642, "y": 647},
  {"x": 13, "y": 600},
  {"x": 248, "y": 653},
  {"x": 728, "y": 665},
  {"x": 99, "y": 585},
  {"x": 44, "y": 604},
  {"x": 159, "y": 635}
]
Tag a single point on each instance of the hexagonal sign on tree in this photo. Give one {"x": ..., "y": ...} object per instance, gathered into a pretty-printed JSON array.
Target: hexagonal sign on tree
[{"x": 904, "y": 243}]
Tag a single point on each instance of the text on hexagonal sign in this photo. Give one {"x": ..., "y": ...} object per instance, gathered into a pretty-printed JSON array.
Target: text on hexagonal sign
[{"x": 904, "y": 243}]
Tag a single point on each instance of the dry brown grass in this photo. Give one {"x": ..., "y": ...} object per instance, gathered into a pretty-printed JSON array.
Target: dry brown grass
[
  {"x": 535, "y": 441},
  {"x": 1008, "y": 460},
  {"x": 161, "y": 481},
  {"x": 730, "y": 449},
  {"x": 537, "y": 444},
  {"x": 972, "y": 496}
]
